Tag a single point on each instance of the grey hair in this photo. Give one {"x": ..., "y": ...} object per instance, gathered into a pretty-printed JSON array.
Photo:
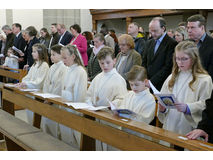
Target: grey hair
[{"x": 6, "y": 27}]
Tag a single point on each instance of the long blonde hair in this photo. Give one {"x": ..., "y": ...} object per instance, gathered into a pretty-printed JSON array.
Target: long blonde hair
[{"x": 189, "y": 48}]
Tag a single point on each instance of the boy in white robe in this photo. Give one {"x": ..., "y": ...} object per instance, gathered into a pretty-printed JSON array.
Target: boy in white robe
[
  {"x": 53, "y": 84},
  {"x": 37, "y": 73},
  {"x": 139, "y": 100},
  {"x": 107, "y": 85},
  {"x": 191, "y": 85},
  {"x": 74, "y": 88}
]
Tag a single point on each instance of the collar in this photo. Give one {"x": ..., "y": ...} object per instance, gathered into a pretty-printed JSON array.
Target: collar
[
  {"x": 203, "y": 37},
  {"x": 162, "y": 37},
  {"x": 18, "y": 34},
  {"x": 142, "y": 93},
  {"x": 110, "y": 72}
]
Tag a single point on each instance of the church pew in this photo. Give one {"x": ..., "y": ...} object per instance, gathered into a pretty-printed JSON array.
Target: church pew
[
  {"x": 92, "y": 129},
  {"x": 17, "y": 74},
  {"x": 20, "y": 136}
]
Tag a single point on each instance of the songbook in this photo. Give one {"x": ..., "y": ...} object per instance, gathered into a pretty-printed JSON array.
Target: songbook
[
  {"x": 85, "y": 106},
  {"x": 29, "y": 90},
  {"x": 125, "y": 113},
  {"x": 166, "y": 100},
  {"x": 47, "y": 95}
]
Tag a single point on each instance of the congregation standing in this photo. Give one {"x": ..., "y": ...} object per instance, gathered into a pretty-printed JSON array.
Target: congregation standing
[{"x": 178, "y": 62}]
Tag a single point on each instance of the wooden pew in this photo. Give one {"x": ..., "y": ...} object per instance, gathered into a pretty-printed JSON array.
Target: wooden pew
[
  {"x": 92, "y": 129},
  {"x": 9, "y": 72}
]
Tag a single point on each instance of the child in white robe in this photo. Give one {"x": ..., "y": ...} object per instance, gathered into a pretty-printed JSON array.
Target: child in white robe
[
  {"x": 37, "y": 73},
  {"x": 52, "y": 84},
  {"x": 107, "y": 85},
  {"x": 74, "y": 88},
  {"x": 139, "y": 100},
  {"x": 11, "y": 60},
  {"x": 191, "y": 85}
]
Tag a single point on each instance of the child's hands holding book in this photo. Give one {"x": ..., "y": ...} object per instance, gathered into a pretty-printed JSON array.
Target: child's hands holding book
[{"x": 181, "y": 107}]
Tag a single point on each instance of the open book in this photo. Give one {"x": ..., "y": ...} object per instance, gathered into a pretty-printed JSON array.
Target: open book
[
  {"x": 166, "y": 100},
  {"x": 125, "y": 113}
]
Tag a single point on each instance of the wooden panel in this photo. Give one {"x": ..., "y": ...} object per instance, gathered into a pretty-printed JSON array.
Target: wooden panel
[{"x": 101, "y": 15}]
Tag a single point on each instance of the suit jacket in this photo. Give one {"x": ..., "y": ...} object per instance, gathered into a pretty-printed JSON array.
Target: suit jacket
[
  {"x": 206, "y": 54},
  {"x": 159, "y": 65},
  {"x": 20, "y": 43},
  {"x": 93, "y": 66},
  {"x": 9, "y": 42},
  {"x": 133, "y": 58},
  {"x": 66, "y": 38},
  {"x": 206, "y": 123}
]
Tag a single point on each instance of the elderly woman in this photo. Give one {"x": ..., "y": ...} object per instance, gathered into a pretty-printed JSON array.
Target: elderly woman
[
  {"x": 180, "y": 34},
  {"x": 80, "y": 41},
  {"x": 127, "y": 57},
  {"x": 93, "y": 65},
  {"x": 29, "y": 35}
]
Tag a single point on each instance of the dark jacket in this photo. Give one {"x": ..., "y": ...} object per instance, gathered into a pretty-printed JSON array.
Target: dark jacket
[
  {"x": 206, "y": 54},
  {"x": 9, "y": 42},
  {"x": 55, "y": 38},
  {"x": 206, "y": 123},
  {"x": 93, "y": 67},
  {"x": 28, "y": 51},
  {"x": 20, "y": 43},
  {"x": 66, "y": 38},
  {"x": 159, "y": 65},
  {"x": 139, "y": 45}
]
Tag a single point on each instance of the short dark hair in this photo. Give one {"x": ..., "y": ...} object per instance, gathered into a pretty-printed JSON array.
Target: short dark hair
[
  {"x": 104, "y": 52},
  {"x": 17, "y": 25},
  {"x": 54, "y": 24},
  {"x": 76, "y": 27},
  {"x": 56, "y": 48},
  {"x": 199, "y": 18}
]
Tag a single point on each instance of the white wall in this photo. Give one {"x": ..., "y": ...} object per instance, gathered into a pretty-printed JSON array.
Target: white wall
[
  {"x": 2, "y": 17},
  {"x": 85, "y": 20},
  {"x": 28, "y": 17}
]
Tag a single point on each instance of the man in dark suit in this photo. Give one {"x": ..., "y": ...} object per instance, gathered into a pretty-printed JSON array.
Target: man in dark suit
[
  {"x": 65, "y": 35},
  {"x": 10, "y": 38},
  {"x": 196, "y": 32},
  {"x": 158, "y": 53},
  {"x": 19, "y": 42},
  {"x": 205, "y": 126}
]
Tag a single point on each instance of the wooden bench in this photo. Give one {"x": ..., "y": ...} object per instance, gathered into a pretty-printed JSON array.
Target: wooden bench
[
  {"x": 13, "y": 73},
  {"x": 20, "y": 135},
  {"x": 92, "y": 130},
  {"x": 17, "y": 74}
]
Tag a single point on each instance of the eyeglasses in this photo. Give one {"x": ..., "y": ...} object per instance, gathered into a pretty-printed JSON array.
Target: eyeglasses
[{"x": 181, "y": 59}]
